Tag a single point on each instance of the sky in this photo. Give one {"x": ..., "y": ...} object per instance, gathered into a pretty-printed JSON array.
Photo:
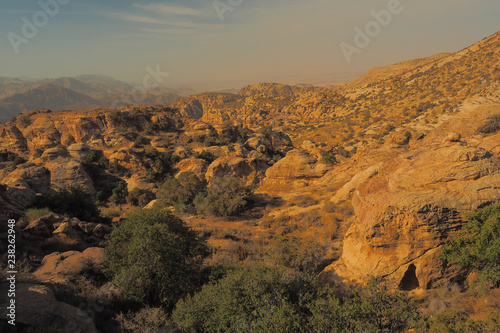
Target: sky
[{"x": 232, "y": 43}]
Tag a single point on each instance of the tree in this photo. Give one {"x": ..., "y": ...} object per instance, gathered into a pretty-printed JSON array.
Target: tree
[
  {"x": 477, "y": 245},
  {"x": 154, "y": 257},
  {"x": 255, "y": 299},
  {"x": 226, "y": 196},
  {"x": 120, "y": 193}
]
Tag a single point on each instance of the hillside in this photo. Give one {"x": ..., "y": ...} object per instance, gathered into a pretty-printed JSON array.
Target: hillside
[{"x": 371, "y": 179}]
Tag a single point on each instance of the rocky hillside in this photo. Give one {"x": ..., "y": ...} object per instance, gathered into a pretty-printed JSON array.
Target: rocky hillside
[{"x": 377, "y": 174}]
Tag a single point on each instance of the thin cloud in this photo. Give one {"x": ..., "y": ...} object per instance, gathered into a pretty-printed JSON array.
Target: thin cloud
[
  {"x": 137, "y": 18},
  {"x": 168, "y": 9},
  {"x": 166, "y": 31}
]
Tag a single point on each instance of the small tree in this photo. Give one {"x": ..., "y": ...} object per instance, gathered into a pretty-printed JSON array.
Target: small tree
[
  {"x": 226, "y": 196},
  {"x": 154, "y": 257}
]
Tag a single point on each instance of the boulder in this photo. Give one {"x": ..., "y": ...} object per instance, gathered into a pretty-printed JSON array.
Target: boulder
[
  {"x": 295, "y": 170},
  {"x": 37, "y": 306},
  {"x": 249, "y": 171},
  {"x": 62, "y": 267},
  {"x": 194, "y": 165}
]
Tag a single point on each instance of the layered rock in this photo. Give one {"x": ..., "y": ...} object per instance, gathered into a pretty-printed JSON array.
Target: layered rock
[
  {"x": 407, "y": 207},
  {"x": 249, "y": 171},
  {"x": 295, "y": 170}
]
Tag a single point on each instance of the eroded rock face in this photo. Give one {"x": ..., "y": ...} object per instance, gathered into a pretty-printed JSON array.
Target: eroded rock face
[
  {"x": 406, "y": 210},
  {"x": 61, "y": 267},
  {"x": 65, "y": 170},
  {"x": 250, "y": 171},
  {"x": 38, "y": 307},
  {"x": 295, "y": 170}
]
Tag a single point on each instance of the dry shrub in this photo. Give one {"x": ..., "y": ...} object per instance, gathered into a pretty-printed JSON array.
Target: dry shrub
[{"x": 147, "y": 320}]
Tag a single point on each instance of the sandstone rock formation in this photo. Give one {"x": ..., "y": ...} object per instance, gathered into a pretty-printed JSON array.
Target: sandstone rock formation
[
  {"x": 295, "y": 170},
  {"x": 61, "y": 267},
  {"x": 406, "y": 210},
  {"x": 38, "y": 307},
  {"x": 249, "y": 171}
]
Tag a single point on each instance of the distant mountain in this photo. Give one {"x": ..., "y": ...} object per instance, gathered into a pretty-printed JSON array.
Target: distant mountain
[
  {"x": 45, "y": 97},
  {"x": 84, "y": 91}
]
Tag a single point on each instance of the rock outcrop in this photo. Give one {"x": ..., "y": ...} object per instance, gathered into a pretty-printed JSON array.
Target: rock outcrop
[
  {"x": 38, "y": 307},
  {"x": 406, "y": 208},
  {"x": 295, "y": 170}
]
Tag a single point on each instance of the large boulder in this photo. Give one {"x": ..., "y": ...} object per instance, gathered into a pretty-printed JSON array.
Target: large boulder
[
  {"x": 194, "y": 165},
  {"x": 37, "y": 306},
  {"x": 295, "y": 170},
  {"x": 249, "y": 171},
  {"x": 61, "y": 267}
]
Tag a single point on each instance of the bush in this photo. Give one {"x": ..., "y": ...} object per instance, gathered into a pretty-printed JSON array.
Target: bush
[
  {"x": 154, "y": 257},
  {"x": 181, "y": 190},
  {"x": 477, "y": 245},
  {"x": 292, "y": 252},
  {"x": 147, "y": 320},
  {"x": 262, "y": 299},
  {"x": 371, "y": 309},
  {"x": 33, "y": 214},
  {"x": 138, "y": 197},
  {"x": 71, "y": 201},
  {"x": 226, "y": 197},
  {"x": 120, "y": 193},
  {"x": 256, "y": 299},
  {"x": 492, "y": 126}
]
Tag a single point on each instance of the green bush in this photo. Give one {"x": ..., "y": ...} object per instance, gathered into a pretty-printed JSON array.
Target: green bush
[
  {"x": 138, "y": 197},
  {"x": 226, "y": 197},
  {"x": 371, "y": 309},
  {"x": 181, "y": 190},
  {"x": 292, "y": 252},
  {"x": 263, "y": 299},
  {"x": 454, "y": 321},
  {"x": 256, "y": 299},
  {"x": 120, "y": 193},
  {"x": 154, "y": 257},
  {"x": 33, "y": 214},
  {"x": 477, "y": 245}
]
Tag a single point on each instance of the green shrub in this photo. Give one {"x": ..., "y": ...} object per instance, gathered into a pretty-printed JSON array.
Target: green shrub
[
  {"x": 477, "y": 245},
  {"x": 138, "y": 197},
  {"x": 256, "y": 299},
  {"x": 292, "y": 252},
  {"x": 181, "y": 190},
  {"x": 120, "y": 193},
  {"x": 330, "y": 159},
  {"x": 226, "y": 197},
  {"x": 154, "y": 257},
  {"x": 372, "y": 309},
  {"x": 33, "y": 214}
]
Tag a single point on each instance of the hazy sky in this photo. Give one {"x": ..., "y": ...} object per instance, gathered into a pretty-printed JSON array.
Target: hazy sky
[{"x": 250, "y": 41}]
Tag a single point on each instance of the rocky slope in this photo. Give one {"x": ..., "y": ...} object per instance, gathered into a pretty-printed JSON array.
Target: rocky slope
[{"x": 406, "y": 206}]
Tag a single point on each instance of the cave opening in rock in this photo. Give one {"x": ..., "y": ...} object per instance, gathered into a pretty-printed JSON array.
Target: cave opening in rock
[{"x": 409, "y": 280}]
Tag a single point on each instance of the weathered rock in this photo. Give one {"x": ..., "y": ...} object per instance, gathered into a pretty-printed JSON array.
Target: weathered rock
[
  {"x": 61, "y": 267},
  {"x": 194, "y": 165},
  {"x": 38, "y": 307},
  {"x": 79, "y": 150},
  {"x": 250, "y": 171},
  {"x": 295, "y": 170},
  {"x": 406, "y": 211},
  {"x": 346, "y": 191}
]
